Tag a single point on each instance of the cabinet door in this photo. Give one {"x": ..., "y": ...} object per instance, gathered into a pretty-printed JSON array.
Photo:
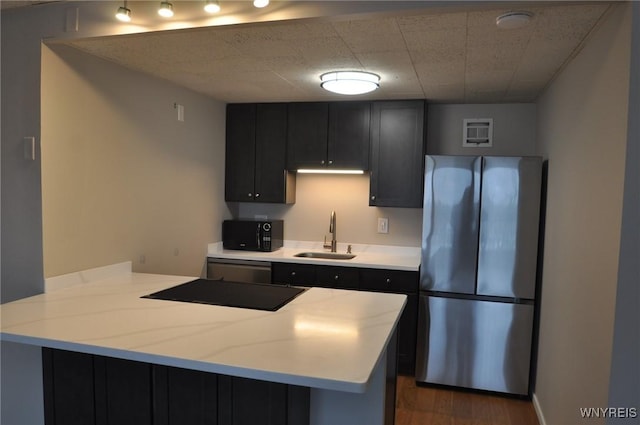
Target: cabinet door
[
  {"x": 293, "y": 274},
  {"x": 183, "y": 396},
  {"x": 68, "y": 387},
  {"x": 123, "y": 392},
  {"x": 397, "y": 153},
  {"x": 248, "y": 402},
  {"x": 272, "y": 183},
  {"x": 240, "y": 158},
  {"x": 307, "y": 135},
  {"x": 348, "y": 143},
  {"x": 337, "y": 277}
]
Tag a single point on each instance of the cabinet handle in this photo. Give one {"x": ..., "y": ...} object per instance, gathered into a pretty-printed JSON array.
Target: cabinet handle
[
  {"x": 322, "y": 162},
  {"x": 336, "y": 277},
  {"x": 388, "y": 280},
  {"x": 249, "y": 194},
  {"x": 330, "y": 162},
  {"x": 257, "y": 195},
  {"x": 373, "y": 197},
  {"x": 293, "y": 273}
]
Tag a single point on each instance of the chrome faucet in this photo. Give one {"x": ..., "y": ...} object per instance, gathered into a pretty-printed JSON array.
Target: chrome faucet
[{"x": 332, "y": 229}]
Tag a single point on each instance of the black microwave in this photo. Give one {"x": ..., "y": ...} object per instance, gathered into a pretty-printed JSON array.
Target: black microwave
[{"x": 252, "y": 235}]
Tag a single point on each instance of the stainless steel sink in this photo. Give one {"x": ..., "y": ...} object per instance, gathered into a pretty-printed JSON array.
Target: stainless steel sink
[{"x": 326, "y": 255}]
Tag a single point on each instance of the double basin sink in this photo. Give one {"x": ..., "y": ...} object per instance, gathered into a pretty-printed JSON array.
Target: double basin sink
[{"x": 325, "y": 255}]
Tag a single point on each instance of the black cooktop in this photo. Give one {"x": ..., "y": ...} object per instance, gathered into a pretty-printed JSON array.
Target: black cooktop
[{"x": 257, "y": 296}]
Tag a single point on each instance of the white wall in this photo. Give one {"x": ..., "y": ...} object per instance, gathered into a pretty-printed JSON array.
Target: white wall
[
  {"x": 582, "y": 129},
  {"x": 122, "y": 178}
]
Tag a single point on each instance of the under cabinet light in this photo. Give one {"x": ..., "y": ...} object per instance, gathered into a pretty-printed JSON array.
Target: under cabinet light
[{"x": 328, "y": 171}]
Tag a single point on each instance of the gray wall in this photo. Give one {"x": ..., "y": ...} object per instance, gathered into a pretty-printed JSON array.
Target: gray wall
[
  {"x": 21, "y": 273},
  {"x": 624, "y": 383},
  {"x": 514, "y": 129}
]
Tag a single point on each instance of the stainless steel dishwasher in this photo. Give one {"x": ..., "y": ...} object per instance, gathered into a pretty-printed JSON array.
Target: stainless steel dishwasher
[{"x": 239, "y": 270}]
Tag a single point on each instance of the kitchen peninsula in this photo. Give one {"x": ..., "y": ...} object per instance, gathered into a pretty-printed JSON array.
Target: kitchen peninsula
[{"x": 338, "y": 344}]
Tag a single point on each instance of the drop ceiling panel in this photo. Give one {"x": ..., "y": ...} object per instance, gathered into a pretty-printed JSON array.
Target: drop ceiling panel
[{"x": 444, "y": 56}]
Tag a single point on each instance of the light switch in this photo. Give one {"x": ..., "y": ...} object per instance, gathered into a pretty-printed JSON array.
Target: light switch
[
  {"x": 383, "y": 225},
  {"x": 29, "y": 148}
]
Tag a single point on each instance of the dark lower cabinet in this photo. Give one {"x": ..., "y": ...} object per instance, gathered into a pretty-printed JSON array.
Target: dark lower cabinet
[
  {"x": 184, "y": 396},
  {"x": 123, "y": 392},
  {"x": 85, "y": 389},
  {"x": 377, "y": 280},
  {"x": 399, "y": 282},
  {"x": 68, "y": 387}
]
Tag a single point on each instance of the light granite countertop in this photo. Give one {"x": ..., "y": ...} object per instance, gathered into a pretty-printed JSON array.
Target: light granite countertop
[
  {"x": 325, "y": 338},
  {"x": 366, "y": 256}
]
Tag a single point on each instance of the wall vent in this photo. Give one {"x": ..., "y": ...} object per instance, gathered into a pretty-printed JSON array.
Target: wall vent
[{"x": 477, "y": 132}]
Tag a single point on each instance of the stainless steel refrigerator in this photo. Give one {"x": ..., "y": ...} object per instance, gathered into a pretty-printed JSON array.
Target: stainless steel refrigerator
[{"x": 478, "y": 271}]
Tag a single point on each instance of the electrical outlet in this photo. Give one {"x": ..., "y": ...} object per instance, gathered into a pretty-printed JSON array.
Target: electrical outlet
[{"x": 383, "y": 225}]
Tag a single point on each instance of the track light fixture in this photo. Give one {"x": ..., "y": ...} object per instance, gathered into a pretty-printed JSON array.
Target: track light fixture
[
  {"x": 212, "y": 6},
  {"x": 124, "y": 14},
  {"x": 166, "y": 9}
]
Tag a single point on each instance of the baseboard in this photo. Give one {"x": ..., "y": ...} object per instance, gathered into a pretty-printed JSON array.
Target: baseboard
[{"x": 538, "y": 410}]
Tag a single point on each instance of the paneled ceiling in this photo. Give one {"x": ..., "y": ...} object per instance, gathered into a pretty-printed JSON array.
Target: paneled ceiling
[{"x": 457, "y": 56}]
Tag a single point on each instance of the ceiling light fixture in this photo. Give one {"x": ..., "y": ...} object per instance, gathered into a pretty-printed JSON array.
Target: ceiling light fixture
[
  {"x": 513, "y": 20},
  {"x": 349, "y": 82},
  {"x": 212, "y": 6},
  {"x": 261, "y": 3},
  {"x": 124, "y": 14},
  {"x": 166, "y": 9}
]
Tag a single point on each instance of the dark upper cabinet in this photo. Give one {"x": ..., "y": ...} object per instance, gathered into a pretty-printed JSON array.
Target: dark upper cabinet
[
  {"x": 333, "y": 135},
  {"x": 307, "y": 135},
  {"x": 256, "y": 154},
  {"x": 348, "y": 140},
  {"x": 397, "y": 153}
]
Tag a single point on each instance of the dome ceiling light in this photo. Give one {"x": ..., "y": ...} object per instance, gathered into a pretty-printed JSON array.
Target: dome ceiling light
[
  {"x": 513, "y": 20},
  {"x": 349, "y": 82}
]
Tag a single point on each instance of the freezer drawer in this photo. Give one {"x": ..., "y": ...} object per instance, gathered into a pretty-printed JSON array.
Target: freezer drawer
[{"x": 474, "y": 344}]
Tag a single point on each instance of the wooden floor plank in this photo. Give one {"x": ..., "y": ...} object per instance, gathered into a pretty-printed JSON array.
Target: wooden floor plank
[{"x": 429, "y": 405}]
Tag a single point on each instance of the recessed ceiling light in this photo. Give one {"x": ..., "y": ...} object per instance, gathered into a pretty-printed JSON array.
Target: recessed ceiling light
[
  {"x": 349, "y": 82},
  {"x": 513, "y": 20},
  {"x": 261, "y": 3}
]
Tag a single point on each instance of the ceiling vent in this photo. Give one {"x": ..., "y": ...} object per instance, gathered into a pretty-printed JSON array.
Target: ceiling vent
[{"x": 477, "y": 132}]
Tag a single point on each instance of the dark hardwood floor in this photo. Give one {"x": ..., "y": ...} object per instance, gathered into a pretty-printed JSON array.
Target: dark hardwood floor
[{"x": 436, "y": 406}]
